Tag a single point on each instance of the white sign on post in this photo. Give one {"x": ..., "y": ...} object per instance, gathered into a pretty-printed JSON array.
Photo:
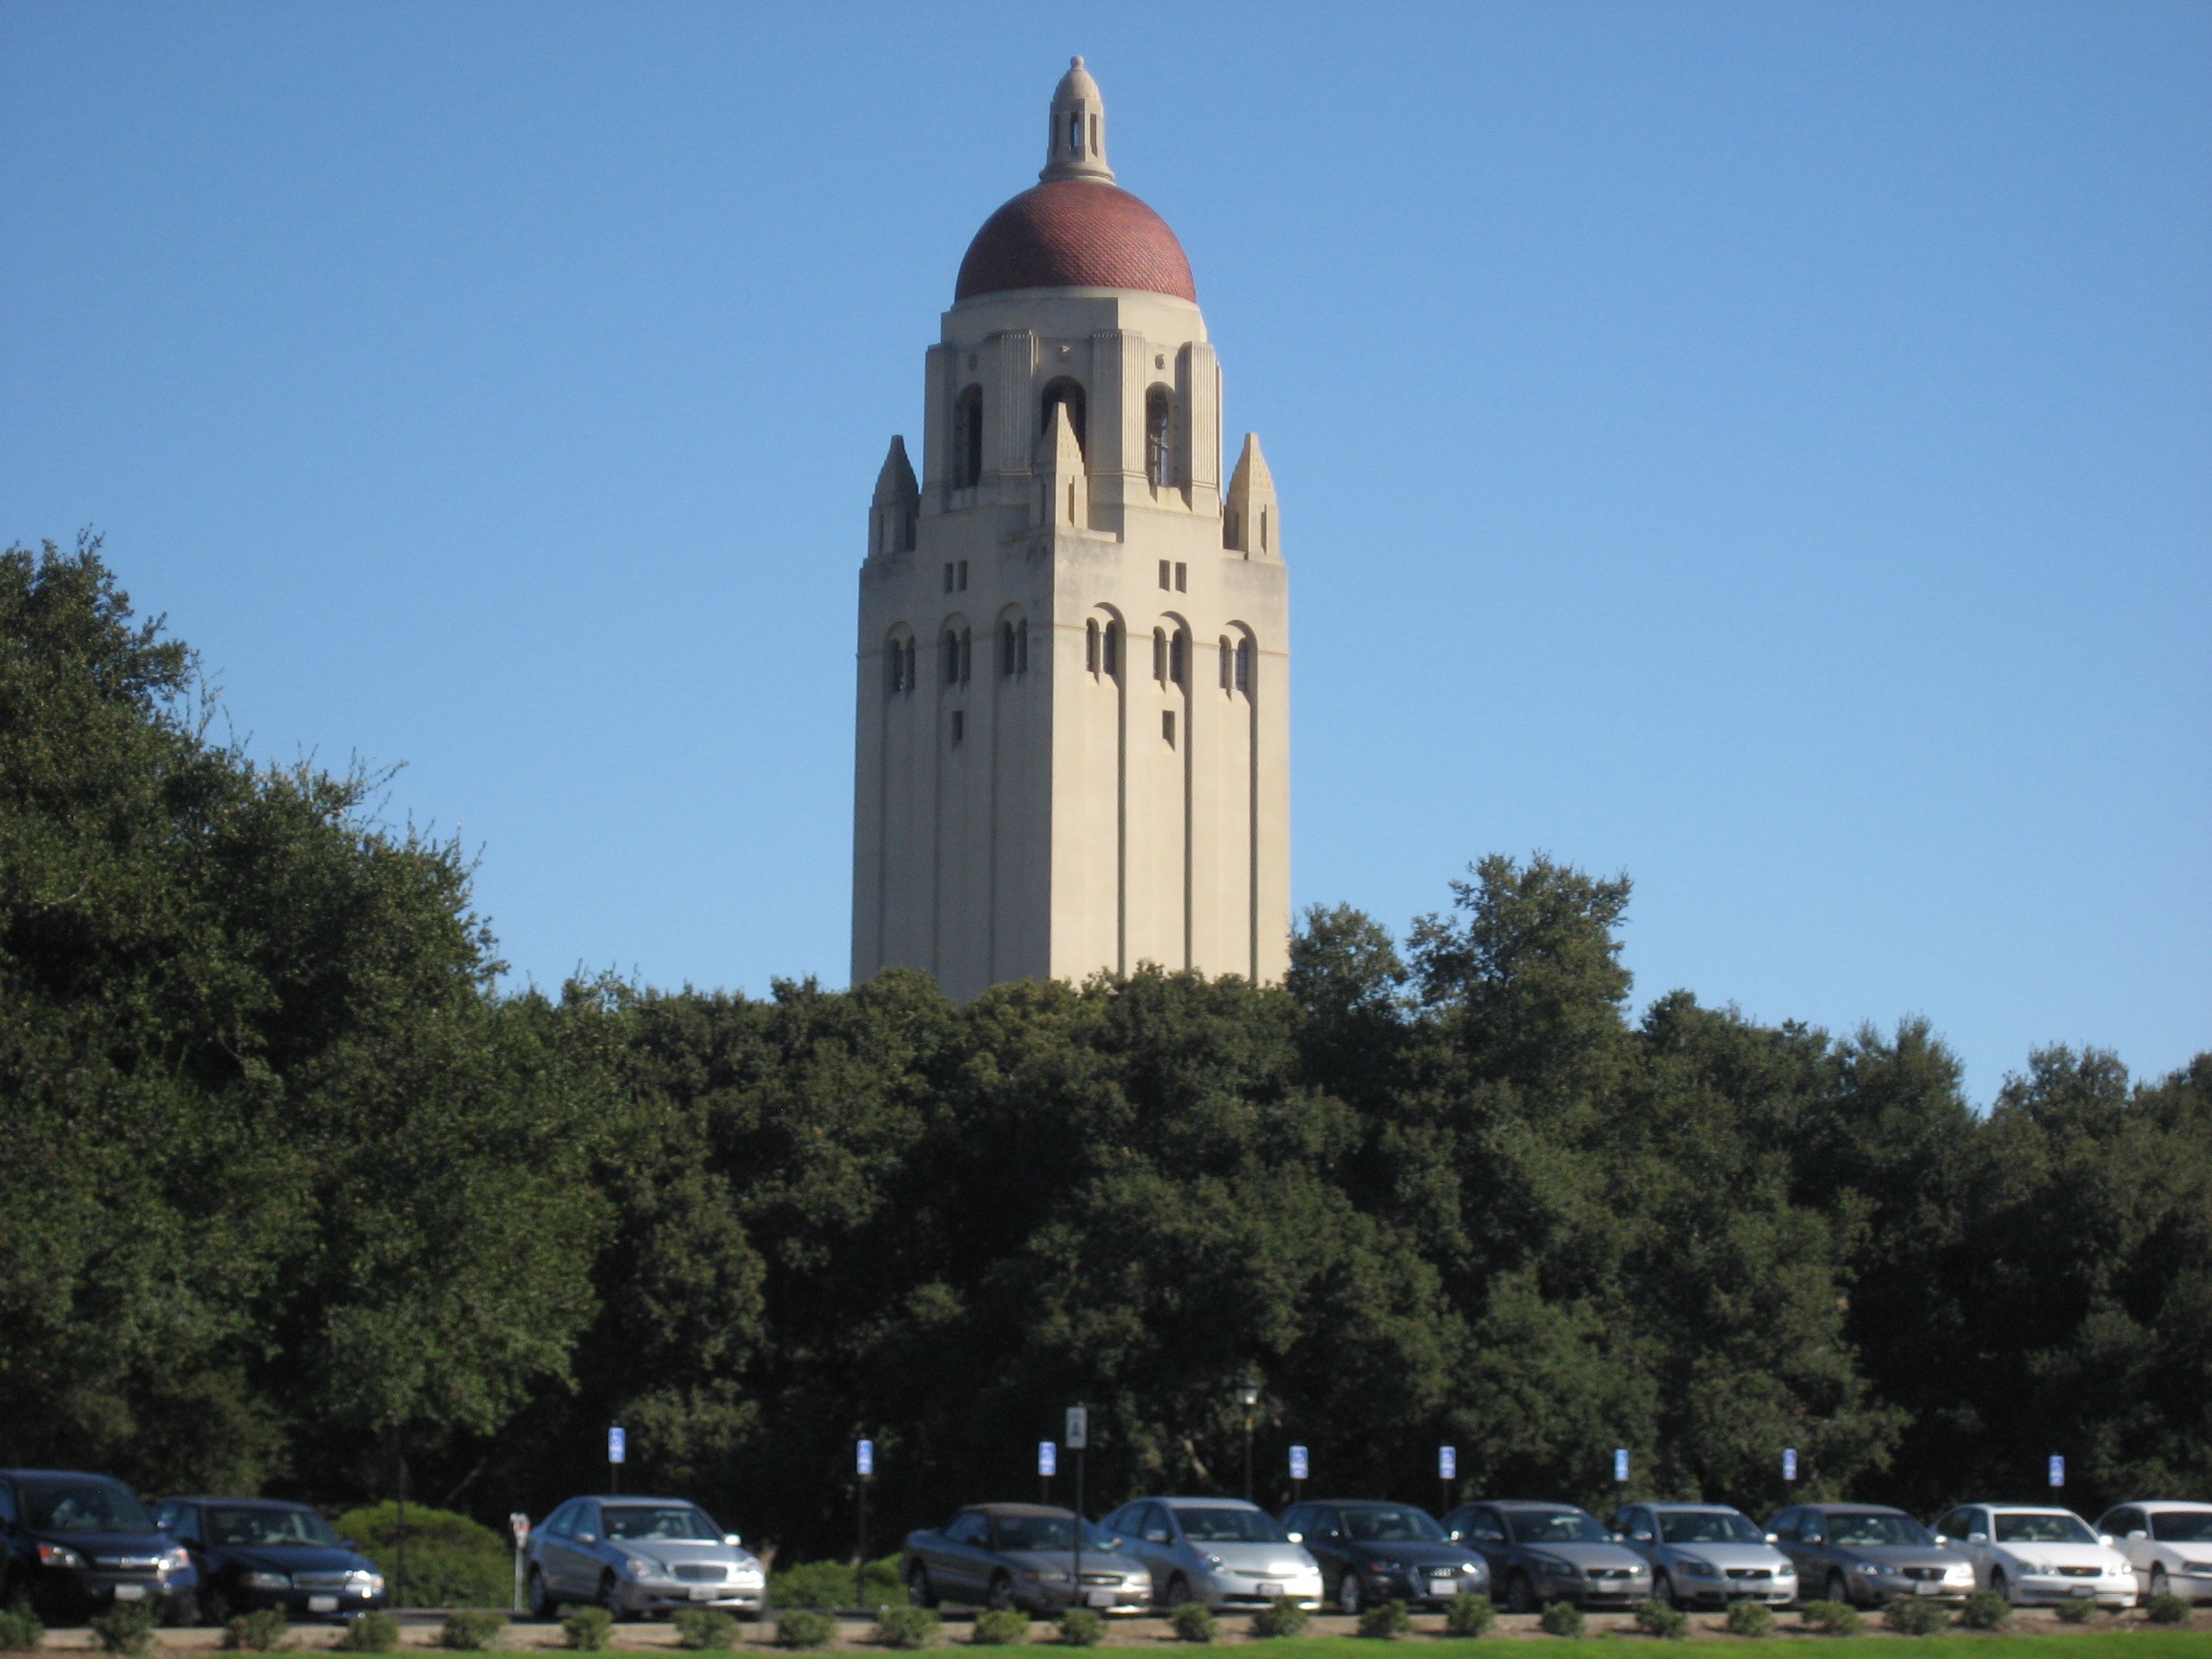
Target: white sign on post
[
  {"x": 1790, "y": 1463},
  {"x": 618, "y": 1446},
  {"x": 1297, "y": 1462},
  {"x": 864, "y": 1457},
  {"x": 1048, "y": 1458},
  {"x": 1078, "y": 1428},
  {"x": 1620, "y": 1463},
  {"x": 2058, "y": 1470},
  {"x": 1447, "y": 1462}
]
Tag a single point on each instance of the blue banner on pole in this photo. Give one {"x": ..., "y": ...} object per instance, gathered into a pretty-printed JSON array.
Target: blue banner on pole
[
  {"x": 2058, "y": 1470},
  {"x": 1790, "y": 1463},
  {"x": 1447, "y": 1462},
  {"x": 1047, "y": 1457},
  {"x": 864, "y": 1457},
  {"x": 618, "y": 1446},
  {"x": 1297, "y": 1462},
  {"x": 1620, "y": 1463}
]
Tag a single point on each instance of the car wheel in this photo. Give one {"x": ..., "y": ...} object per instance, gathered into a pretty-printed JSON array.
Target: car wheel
[
  {"x": 1178, "y": 1590},
  {"x": 1348, "y": 1598},
  {"x": 1520, "y": 1593},
  {"x": 216, "y": 1606},
  {"x": 1663, "y": 1589},
  {"x": 540, "y": 1599},
  {"x": 610, "y": 1596},
  {"x": 917, "y": 1586},
  {"x": 1837, "y": 1590},
  {"x": 1998, "y": 1586},
  {"x": 1002, "y": 1592},
  {"x": 2160, "y": 1584}
]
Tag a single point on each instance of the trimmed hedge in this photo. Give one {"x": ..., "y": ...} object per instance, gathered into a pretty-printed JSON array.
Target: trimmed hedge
[
  {"x": 451, "y": 1561},
  {"x": 1280, "y": 1617},
  {"x": 1561, "y": 1618}
]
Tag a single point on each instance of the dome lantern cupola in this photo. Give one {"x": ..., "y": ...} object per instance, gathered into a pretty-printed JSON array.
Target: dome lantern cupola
[{"x": 1077, "y": 145}]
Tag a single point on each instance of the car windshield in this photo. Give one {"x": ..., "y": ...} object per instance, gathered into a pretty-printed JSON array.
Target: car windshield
[
  {"x": 1229, "y": 1527},
  {"x": 2182, "y": 1525},
  {"x": 627, "y": 1523},
  {"x": 269, "y": 1526},
  {"x": 1707, "y": 1527},
  {"x": 2050, "y": 1527},
  {"x": 1554, "y": 1526},
  {"x": 1875, "y": 1530},
  {"x": 1046, "y": 1531},
  {"x": 1392, "y": 1526},
  {"x": 83, "y": 1508}
]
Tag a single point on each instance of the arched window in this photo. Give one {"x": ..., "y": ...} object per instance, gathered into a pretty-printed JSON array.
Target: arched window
[
  {"x": 1113, "y": 658},
  {"x": 1013, "y": 647},
  {"x": 967, "y": 438},
  {"x": 1070, "y": 392},
  {"x": 1244, "y": 666},
  {"x": 1159, "y": 655},
  {"x": 1178, "y": 651},
  {"x": 950, "y": 654},
  {"x": 1090, "y": 645},
  {"x": 895, "y": 669},
  {"x": 1159, "y": 437}
]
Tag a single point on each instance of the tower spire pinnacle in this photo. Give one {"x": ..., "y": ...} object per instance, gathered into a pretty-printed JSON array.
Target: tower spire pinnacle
[{"x": 1076, "y": 147}]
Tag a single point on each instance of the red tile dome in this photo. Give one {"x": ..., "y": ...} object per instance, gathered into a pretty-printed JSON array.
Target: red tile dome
[{"x": 1075, "y": 233}]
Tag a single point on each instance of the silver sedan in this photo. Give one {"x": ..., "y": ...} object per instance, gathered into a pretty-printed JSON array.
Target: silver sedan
[
  {"x": 634, "y": 1555},
  {"x": 1706, "y": 1552}
]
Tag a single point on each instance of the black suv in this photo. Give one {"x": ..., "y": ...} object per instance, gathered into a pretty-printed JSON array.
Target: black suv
[
  {"x": 77, "y": 1544},
  {"x": 257, "y": 1552}
]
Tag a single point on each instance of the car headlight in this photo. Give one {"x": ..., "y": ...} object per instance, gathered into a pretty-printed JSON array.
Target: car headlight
[
  {"x": 1697, "y": 1568},
  {"x": 376, "y": 1586},
  {"x": 269, "y": 1581},
  {"x": 1212, "y": 1562},
  {"x": 58, "y": 1555},
  {"x": 643, "y": 1567},
  {"x": 1866, "y": 1569},
  {"x": 1555, "y": 1569},
  {"x": 177, "y": 1559}
]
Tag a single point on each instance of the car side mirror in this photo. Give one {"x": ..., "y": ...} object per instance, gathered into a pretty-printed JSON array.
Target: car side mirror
[
  {"x": 1977, "y": 1538},
  {"x": 2138, "y": 1536},
  {"x": 732, "y": 1540},
  {"x": 1641, "y": 1536},
  {"x": 2106, "y": 1539},
  {"x": 1297, "y": 1537}
]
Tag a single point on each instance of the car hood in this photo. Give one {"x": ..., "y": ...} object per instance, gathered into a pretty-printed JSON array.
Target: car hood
[
  {"x": 2062, "y": 1555},
  {"x": 1899, "y": 1555},
  {"x": 90, "y": 1544},
  {"x": 671, "y": 1550},
  {"x": 1725, "y": 1556},
  {"x": 292, "y": 1558},
  {"x": 1259, "y": 1558},
  {"x": 1112, "y": 1561},
  {"x": 1419, "y": 1553},
  {"x": 2196, "y": 1553},
  {"x": 1588, "y": 1555}
]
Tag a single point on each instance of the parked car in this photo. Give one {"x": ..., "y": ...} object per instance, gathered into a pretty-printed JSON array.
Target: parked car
[
  {"x": 634, "y": 1555},
  {"x": 1867, "y": 1554},
  {"x": 77, "y": 1544},
  {"x": 1018, "y": 1555},
  {"x": 1370, "y": 1552},
  {"x": 1551, "y": 1552},
  {"x": 1220, "y": 1551},
  {"x": 254, "y": 1552},
  {"x": 2169, "y": 1544},
  {"x": 1706, "y": 1552},
  {"x": 2029, "y": 1554}
]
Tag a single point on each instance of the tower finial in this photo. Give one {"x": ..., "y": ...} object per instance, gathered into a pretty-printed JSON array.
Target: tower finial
[{"x": 1076, "y": 147}]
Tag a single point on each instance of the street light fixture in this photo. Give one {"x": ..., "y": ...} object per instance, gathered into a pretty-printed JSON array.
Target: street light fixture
[{"x": 1248, "y": 1397}]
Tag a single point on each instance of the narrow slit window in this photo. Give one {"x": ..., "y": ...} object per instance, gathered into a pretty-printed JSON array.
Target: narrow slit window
[
  {"x": 1022, "y": 648},
  {"x": 1091, "y": 647},
  {"x": 1182, "y": 578},
  {"x": 967, "y": 438},
  {"x": 1160, "y": 438},
  {"x": 1263, "y": 530},
  {"x": 1164, "y": 578},
  {"x": 1167, "y": 725},
  {"x": 959, "y": 726},
  {"x": 909, "y": 666},
  {"x": 1006, "y": 648},
  {"x": 1075, "y": 133},
  {"x": 1177, "y": 649},
  {"x": 1226, "y": 657},
  {"x": 1244, "y": 665},
  {"x": 948, "y": 578},
  {"x": 967, "y": 650},
  {"x": 895, "y": 679},
  {"x": 1113, "y": 659},
  {"x": 951, "y": 653},
  {"x": 1159, "y": 655},
  {"x": 963, "y": 576},
  {"x": 1094, "y": 135}
]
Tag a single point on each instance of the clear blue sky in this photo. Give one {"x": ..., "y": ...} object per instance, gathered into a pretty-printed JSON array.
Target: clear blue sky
[{"x": 1763, "y": 448}]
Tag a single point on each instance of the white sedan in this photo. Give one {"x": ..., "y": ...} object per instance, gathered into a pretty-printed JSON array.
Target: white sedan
[
  {"x": 2031, "y": 1556},
  {"x": 2168, "y": 1544}
]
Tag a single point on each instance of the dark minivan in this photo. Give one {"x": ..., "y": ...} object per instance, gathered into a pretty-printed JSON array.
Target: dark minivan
[
  {"x": 258, "y": 1553},
  {"x": 77, "y": 1544}
]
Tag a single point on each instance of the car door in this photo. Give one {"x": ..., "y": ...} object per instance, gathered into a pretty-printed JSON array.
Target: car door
[
  {"x": 2130, "y": 1531},
  {"x": 1326, "y": 1543},
  {"x": 1978, "y": 1544},
  {"x": 1639, "y": 1530},
  {"x": 1156, "y": 1543},
  {"x": 967, "y": 1558},
  {"x": 1486, "y": 1535},
  {"x": 1815, "y": 1563},
  {"x": 564, "y": 1565}
]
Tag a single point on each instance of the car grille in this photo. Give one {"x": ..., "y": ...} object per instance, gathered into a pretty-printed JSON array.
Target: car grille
[
  {"x": 321, "y": 1581},
  {"x": 2077, "y": 1572},
  {"x": 128, "y": 1563},
  {"x": 1608, "y": 1572},
  {"x": 1750, "y": 1572},
  {"x": 1923, "y": 1572},
  {"x": 1103, "y": 1578},
  {"x": 700, "y": 1572}
]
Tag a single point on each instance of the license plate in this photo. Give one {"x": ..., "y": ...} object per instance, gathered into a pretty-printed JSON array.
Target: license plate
[
  {"x": 1925, "y": 1586},
  {"x": 322, "y": 1604},
  {"x": 130, "y": 1592},
  {"x": 1099, "y": 1598},
  {"x": 1268, "y": 1591},
  {"x": 2083, "y": 1589},
  {"x": 702, "y": 1592}
]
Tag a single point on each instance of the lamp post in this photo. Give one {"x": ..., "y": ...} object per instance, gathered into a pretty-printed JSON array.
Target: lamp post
[{"x": 1248, "y": 1396}]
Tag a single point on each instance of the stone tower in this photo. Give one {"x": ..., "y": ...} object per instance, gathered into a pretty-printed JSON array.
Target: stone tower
[{"x": 1075, "y": 652}]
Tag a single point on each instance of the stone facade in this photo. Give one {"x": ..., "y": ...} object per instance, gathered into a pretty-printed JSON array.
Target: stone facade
[{"x": 1073, "y": 662}]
